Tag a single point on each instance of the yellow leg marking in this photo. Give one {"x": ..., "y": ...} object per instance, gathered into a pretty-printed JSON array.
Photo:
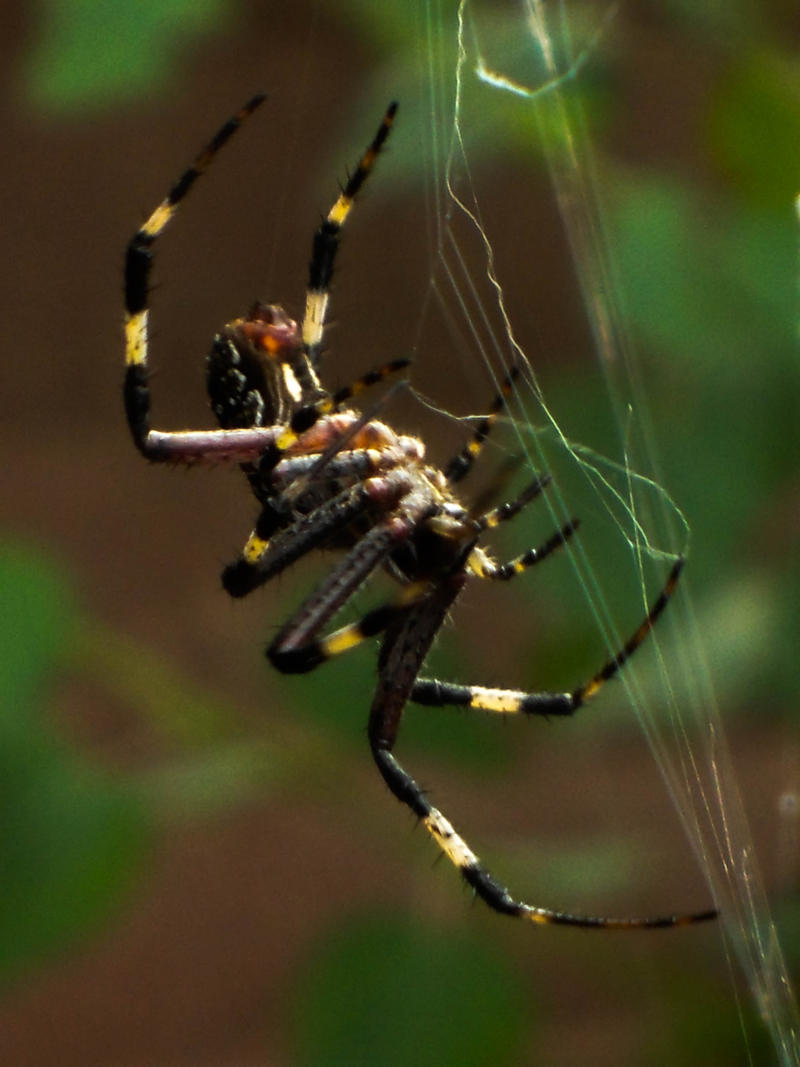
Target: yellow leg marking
[
  {"x": 159, "y": 219},
  {"x": 342, "y": 641},
  {"x": 286, "y": 439},
  {"x": 254, "y": 549},
  {"x": 507, "y": 702},
  {"x": 341, "y": 209},
  {"x": 481, "y": 565},
  {"x": 136, "y": 337},
  {"x": 453, "y": 846},
  {"x": 411, "y": 593},
  {"x": 349, "y": 636},
  {"x": 591, "y": 689},
  {"x": 314, "y": 318}
]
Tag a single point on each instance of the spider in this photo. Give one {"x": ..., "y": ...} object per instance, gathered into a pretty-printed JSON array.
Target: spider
[{"x": 326, "y": 475}]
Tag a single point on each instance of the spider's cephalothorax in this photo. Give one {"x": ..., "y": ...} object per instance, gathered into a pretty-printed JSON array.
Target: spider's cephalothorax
[{"x": 326, "y": 475}]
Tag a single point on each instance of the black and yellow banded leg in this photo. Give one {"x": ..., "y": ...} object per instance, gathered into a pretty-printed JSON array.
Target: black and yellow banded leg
[
  {"x": 138, "y": 264},
  {"x": 508, "y": 510},
  {"x": 278, "y": 540},
  {"x": 482, "y": 567},
  {"x": 405, "y": 647},
  {"x": 326, "y": 244},
  {"x": 504, "y": 571},
  {"x": 615, "y": 664},
  {"x": 366, "y": 381},
  {"x": 298, "y": 648},
  {"x": 304, "y": 658},
  {"x": 305, "y": 417},
  {"x": 485, "y": 886},
  {"x": 434, "y": 693},
  {"x": 461, "y": 464}
]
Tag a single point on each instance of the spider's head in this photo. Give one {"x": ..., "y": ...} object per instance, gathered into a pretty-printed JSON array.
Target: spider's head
[{"x": 249, "y": 372}]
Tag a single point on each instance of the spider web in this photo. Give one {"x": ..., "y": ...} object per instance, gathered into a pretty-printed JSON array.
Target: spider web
[{"x": 530, "y": 60}]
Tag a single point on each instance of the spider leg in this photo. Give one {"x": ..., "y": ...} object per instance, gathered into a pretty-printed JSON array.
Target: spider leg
[
  {"x": 406, "y": 644},
  {"x": 482, "y": 567},
  {"x": 366, "y": 381},
  {"x": 461, "y": 464},
  {"x": 307, "y": 416},
  {"x": 326, "y": 244},
  {"x": 356, "y": 466},
  {"x": 195, "y": 446},
  {"x": 511, "y": 508},
  {"x": 297, "y": 648},
  {"x": 192, "y": 447},
  {"x": 288, "y": 490},
  {"x": 268, "y": 551},
  {"x": 434, "y": 693},
  {"x": 378, "y": 449}
]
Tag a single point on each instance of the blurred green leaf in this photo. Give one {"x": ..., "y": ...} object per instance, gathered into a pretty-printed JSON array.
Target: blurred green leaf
[
  {"x": 386, "y": 991},
  {"x": 178, "y": 708},
  {"x": 84, "y": 53},
  {"x": 34, "y": 624},
  {"x": 711, "y": 286},
  {"x": 754, "y": 127},
  {"x": 388, "y": 26},
  {"x": 70, "y": 838},
  {"x": 216, "y": 780},
  {"x": 70, "y": 841},
  {"x": 712, "y": 290}
]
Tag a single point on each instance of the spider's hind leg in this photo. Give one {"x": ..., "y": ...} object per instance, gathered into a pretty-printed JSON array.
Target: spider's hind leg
[
  {"x": 405, "y": 646},
  {"x": 434, "y": 693}
]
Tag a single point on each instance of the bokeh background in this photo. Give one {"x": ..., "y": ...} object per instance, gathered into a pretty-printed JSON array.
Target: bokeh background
[{"x": 198, "y": 864}]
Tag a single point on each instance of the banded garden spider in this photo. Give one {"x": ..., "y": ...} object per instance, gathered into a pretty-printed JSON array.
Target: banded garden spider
[{"x": 325, "y": 474}]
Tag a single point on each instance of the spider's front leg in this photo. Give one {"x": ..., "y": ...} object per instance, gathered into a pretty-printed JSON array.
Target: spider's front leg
[
  {"x": 195, "y": 446},
  {"x": 326, "y": 244}
]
